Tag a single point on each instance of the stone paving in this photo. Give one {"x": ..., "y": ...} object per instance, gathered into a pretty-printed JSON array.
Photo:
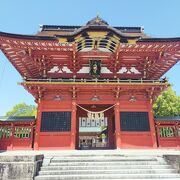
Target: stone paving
[{"x": 118, "y": 151}]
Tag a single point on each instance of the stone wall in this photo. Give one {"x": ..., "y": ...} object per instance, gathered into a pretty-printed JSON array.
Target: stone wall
[
  {"x": 20, "y": 167},
  {"x": 174, "y": 160}
]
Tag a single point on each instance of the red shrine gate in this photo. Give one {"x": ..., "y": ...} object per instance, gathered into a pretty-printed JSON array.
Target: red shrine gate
[
  {"x": 130, "y": 120},
  {"x": 76, "y": 73}
]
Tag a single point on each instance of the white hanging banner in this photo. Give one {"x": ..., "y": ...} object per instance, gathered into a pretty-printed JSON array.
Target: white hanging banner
[{"x": 95, "y": 115}]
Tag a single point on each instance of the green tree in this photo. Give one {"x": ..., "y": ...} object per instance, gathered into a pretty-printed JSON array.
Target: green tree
[
  {"x": 22, "y": 109},
  {"x": 167, "y": 104}
]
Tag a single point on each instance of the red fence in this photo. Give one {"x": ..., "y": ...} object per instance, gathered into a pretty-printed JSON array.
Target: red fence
[
  {"x": 16, "y": 135},
  {"x": 168, "y": 133}
]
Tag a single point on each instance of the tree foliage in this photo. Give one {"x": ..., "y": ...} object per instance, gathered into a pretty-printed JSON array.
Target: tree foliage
[
  {"x": 167, "y": 104},
  {"x": 22, "y": 109}
]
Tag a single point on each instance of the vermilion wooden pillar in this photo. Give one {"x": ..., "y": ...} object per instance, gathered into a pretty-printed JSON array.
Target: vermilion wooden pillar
[
  {"x": 73, "y": 125},
  {"x": 152, "y": 125},
  {"x": 38, "y": 125},
  {"x": 110, "y": 132},
  {"x": 12, "y": 137},
  {"x": 117, "y": 126}
]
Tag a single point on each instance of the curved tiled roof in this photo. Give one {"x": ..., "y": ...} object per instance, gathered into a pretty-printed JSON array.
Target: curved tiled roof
[
  {"x": 21, "y": 36},
  {"x": 95, "y": 24},
  {"x": 174, "y": 39},
  {"x": 17, "y": 118},
  {"x": 121, "y": 49},
  {"x": 167, "y": 118}
]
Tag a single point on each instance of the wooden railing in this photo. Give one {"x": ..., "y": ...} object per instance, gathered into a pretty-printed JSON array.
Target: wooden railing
[{"x": 96, "y": 80}]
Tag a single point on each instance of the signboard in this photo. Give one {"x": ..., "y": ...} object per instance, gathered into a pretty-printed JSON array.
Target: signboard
[{"x": 95, "y": 67}]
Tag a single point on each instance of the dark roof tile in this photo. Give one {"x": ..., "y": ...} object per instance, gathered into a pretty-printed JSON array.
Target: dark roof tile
[
  {"x": 17, "y": 118},
  {"x": 167, "y": 118}
]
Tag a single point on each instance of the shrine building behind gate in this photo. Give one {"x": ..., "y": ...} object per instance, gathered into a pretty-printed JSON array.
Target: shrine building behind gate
[{"x": 94, "y": 84}]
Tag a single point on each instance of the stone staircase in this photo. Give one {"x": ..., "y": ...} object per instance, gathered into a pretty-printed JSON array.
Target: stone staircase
[{"x": 105, "y": 166}]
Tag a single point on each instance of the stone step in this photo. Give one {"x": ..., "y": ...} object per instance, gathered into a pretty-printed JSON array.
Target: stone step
[
  {"x": 106, "y": 158},
  {"x": 108, "y": 176},
  {"x": 94, "y": 155},
  {"x": 105, "y": 167},
  {"x": 114, "y": 179},
  {"x": 98, "y": 160},
  {"x": 108, "y": 166},
  {"x": 104, "y": 163},
  {"x": 107, "y": 171}
]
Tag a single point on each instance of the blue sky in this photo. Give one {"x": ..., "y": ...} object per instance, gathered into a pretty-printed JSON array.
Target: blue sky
[{"x": 160, "y": 18}]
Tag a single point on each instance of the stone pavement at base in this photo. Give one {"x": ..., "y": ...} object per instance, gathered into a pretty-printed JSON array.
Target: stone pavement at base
[{"x": 137, "y": 152}]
